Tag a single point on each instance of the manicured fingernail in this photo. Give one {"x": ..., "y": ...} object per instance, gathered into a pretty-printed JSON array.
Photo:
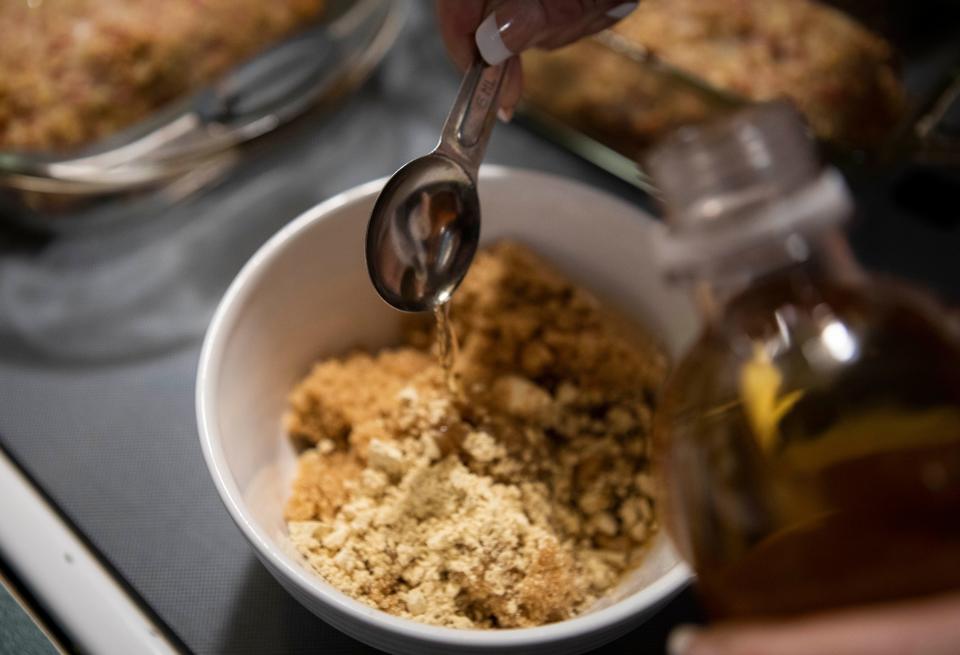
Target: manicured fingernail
[
  {"x": 681, "y": 640},
  {"x": 490, "y": 42},
  {"x": 505, "y": 115},
  {"x": 621, "y": 11}
]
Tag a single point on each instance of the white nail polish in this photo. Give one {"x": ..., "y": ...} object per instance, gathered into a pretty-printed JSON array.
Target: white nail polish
[
  {"x": 489, "y": 42},
  {"x": 504, "y": 115},
  {"x": 680, "y": 640},
  {"x": 621, "y": 11}
]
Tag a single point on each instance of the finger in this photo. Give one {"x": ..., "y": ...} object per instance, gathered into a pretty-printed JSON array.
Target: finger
[
  {"x": 601, "y": 23},
  {"x": 606, "y": 19},
  {"x": 518, "y": 24},
  {"x": 622, "y": 10},
  {"x": 566, "y": 37},
  {"x": 597, "y": 23},
  {"x": 929, "y": 627},
  {"x": 458, "y": 20},
  {"x": 512, "y": 88}
]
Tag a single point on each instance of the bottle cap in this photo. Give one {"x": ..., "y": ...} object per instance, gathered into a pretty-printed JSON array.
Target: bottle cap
[
  {"x": 716, "y": 172},
  {"x": 743, "y": 194}
]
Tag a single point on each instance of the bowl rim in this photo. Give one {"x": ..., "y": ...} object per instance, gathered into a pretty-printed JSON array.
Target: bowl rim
[{"x": 312, "y": 585}]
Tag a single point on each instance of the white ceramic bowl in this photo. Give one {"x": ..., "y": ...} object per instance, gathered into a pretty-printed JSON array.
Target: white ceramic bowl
[{"x": 305, "y": 294}]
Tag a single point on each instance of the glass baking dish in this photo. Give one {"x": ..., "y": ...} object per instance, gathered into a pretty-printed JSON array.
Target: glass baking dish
[
  {"x": 193, "y": 143},
  {"x": 636, "y": 97}
]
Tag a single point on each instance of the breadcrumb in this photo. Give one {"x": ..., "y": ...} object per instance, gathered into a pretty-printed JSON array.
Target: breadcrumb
[{"x": 519, "y": 501}]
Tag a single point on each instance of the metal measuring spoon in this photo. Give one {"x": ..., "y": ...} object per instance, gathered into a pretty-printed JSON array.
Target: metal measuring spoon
[{"x": 425, "y": 226}]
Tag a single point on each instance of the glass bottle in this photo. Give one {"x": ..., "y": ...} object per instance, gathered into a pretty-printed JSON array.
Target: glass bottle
[{"x": 808, "y": 443}]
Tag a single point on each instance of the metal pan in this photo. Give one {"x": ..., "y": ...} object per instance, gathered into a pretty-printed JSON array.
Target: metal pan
[
  {"x": 931, "y": 75},
  {"x": 192, "y": 144}
]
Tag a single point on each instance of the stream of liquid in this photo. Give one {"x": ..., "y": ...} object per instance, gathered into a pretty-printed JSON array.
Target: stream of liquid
[{"x": 446, "y": 347}]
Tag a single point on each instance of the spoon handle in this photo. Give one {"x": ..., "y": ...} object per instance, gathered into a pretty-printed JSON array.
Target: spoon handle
[{"x": 470, "y": 122}]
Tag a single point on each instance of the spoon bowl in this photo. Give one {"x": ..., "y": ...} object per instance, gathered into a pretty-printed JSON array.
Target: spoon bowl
[
  {"x": 427, "y": 233},
  {"x": 424, "y": 229}
]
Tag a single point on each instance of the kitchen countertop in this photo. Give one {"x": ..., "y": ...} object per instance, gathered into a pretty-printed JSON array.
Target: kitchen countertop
[
  {"x": 21, "y": 632},
  {"x": 99, "y": 340}
]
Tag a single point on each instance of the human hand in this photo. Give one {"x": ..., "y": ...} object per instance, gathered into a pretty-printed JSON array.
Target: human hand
[
  {"x": 927, "y": 627},
  {"x": 503, "y": 28}
]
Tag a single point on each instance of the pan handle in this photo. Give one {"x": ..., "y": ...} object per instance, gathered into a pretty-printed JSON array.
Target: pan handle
[{"x": 936, "y": 134}]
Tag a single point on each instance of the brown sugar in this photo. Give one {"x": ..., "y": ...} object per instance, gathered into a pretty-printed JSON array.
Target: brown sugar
[
  {"x": 518, "y": 502},
  {"x": 340, "y": 394}
]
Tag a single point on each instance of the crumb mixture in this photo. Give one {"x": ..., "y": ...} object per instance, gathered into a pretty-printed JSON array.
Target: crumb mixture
[{"x": 518, "y": 501}]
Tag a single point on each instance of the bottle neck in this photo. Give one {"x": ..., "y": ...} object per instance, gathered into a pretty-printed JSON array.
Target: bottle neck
[
  {"x": 745, "y": 198},
  {"x": 757, "y": 238},
  {"x": 826, "y": 256}
]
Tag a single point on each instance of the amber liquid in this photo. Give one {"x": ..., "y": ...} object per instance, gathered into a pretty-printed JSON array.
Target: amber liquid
[
  {"x": 828, "y": 475},
  {"x": 446, "y": 347}
]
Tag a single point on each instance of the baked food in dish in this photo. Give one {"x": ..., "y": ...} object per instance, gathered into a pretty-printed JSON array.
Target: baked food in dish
[
  {"x": 73, "y": 71},
  {"x": 838, "y": 73},
  {"x": 609, "y": 97}
]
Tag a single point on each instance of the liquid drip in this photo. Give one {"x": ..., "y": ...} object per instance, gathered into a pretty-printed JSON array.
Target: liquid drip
[
  {"x": 432, "y": 236},
  {"x": 447, "y": 347}
]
